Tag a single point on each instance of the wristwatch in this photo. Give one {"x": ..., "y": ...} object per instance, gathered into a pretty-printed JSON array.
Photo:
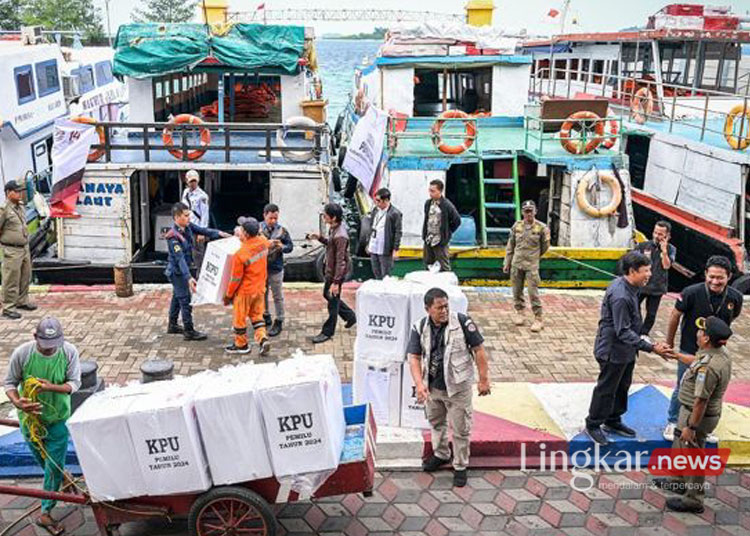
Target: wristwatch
[{"x": 692, "y": 427}]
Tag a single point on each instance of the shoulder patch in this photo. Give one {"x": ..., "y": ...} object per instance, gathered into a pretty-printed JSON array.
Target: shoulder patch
[{"x": 177, "y": 248}]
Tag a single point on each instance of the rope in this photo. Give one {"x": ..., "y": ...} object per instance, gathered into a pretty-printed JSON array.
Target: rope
[{"x": 589, "y": 266}]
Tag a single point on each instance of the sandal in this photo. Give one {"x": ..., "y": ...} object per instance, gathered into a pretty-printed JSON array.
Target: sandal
[{"x": 53, "y": 528}]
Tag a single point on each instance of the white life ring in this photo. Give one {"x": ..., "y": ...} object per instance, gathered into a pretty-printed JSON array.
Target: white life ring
[
  {"x": 297, "y": 121},
  {"x": 608, "y": 179}
]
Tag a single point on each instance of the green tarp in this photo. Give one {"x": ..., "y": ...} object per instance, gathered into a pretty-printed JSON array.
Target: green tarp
[{"x": 153, "y": 49}]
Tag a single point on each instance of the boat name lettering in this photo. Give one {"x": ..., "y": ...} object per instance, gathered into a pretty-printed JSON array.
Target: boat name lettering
[{"x": 89, "y": 190}]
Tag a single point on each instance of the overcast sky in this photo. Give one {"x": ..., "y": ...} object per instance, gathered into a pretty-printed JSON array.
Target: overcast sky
[{"x": 591, "y": 15}]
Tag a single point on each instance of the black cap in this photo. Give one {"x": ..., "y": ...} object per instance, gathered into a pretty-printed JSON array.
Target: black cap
[
  {"x": 528, "y": 204},
  {"x": 714, "y": 327},
  {"x": 13, "y": 185},
  {"x": 251, "y": 226}
]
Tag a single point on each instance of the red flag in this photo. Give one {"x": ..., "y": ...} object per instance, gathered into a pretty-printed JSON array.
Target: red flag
[
  {"x": 261, "y": 6},
  {"x": 553, "y": 13}
]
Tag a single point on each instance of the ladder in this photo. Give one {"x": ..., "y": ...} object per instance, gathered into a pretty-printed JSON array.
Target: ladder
[{"x": 498, "y": 184}]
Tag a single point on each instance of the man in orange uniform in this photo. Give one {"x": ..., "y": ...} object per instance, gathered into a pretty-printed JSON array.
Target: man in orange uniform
[{"x": 247, "y": 288}]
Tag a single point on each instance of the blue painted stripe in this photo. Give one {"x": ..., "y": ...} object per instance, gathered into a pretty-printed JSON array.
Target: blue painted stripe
[{"x": 502, "y": 58}]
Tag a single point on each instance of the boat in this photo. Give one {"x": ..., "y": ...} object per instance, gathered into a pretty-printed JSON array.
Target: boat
[
  {"x": 457, "y": 100},
  {"x": 241, "y": 104},
  {"x": 682, "y": 87}
]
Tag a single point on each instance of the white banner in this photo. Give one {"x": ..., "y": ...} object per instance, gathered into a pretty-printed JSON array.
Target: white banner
[
  {"x": 366, "y": 146},
  {"x": 70, "y": 151}
]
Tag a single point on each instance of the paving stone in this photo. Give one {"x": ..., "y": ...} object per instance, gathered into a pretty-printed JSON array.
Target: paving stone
[
  {"x": 449, "y": 510},
  {"x": 620, "y": 486},
  {"x": 609, "y": 525},
  {"x": 454, "y": 524},
  {"x": 638, "y": 512},
  {"x": 719, "y": 513},
  {"x": 435, "y": 528},
  {"x": 518, "y": 502},
  {"x": 562, "y": 514},
  {"x": 494, "y": 523},
  {"x": 593, "y": 501},
  {"x": 413, "y": 524},
  {"x": 548, "y": 487},
  {"x": 529, "y": 525},
  {"x": 471, "y": 516},
  {"x": 375, "y": 524},
  {"x": 411, "y": 510},
  {"x": 735, "y": 496},
  {"x": 393, "y": 516},
  {"x": 686, "y": 524},
  {"x": 295, "y": 525}
]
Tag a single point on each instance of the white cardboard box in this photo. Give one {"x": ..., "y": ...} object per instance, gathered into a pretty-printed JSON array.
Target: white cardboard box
[
  {"x": 434, "y": 279},
  {"x": 166, "y": 439},
  {"x": 215, "y": 271},
  {"x": 101, "y": 436},
  {"x": 231, "y": 424},
  {"x": 412, "y": 412},
  {"x": 379, "y": 384},
  {"x": 162, "y": 225},
  {"x": 458, "y": 302},
  {"x": 383, "y": 320},
  {"x": 303, "y": 413}
]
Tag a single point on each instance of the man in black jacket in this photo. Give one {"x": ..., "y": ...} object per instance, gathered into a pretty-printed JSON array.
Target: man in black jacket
[
  {"x": 382, "y": 233},
  {"x": 441, "y": 219}
]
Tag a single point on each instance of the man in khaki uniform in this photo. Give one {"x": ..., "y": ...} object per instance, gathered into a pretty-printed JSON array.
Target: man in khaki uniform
[
  {"x": 442, "y": 350},
  {"x": 700, "y": 393},
  {"x": 529, "y": 240},
  {"x": 14, "y": 241}
]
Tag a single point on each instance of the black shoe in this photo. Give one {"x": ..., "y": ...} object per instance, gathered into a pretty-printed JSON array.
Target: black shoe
[
  {"x": 234, "y": 349},
  {"x": 619, "y": 429},
  {"x": 320, "y": 337},
  {"x": 276, "y": 328},
  {"x": 670, "y": 485},
  {"x": 13, "y": 315},
  {"x": 28, "y": 307},
  {"x": 267, "y": 319},
  {"x": 433, "y": 463},
  {"x": 597, "y": 436},
  {"x": 350, "y": 323},
  {"x": 194, "y": 335},
  {"x": 264, "y": 347},
  {"x": 459, "y": 478},
  {"x": 677, "y": 504},
  {"x": 173, "y": 329}
]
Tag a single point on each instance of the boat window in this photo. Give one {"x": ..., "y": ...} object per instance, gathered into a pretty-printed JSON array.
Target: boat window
[
  {"x": 104, "y": 73},
  {"x": 436, "y": 90},
  {"x": 86, "y": 74},
  {"x": 24, "y": 84},
  {"x": 47, "y": 77}
]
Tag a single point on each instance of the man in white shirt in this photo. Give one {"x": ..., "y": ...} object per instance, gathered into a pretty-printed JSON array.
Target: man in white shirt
[
  {"x": 197, "y": 200},
  {"x": 382, "y": 231}
]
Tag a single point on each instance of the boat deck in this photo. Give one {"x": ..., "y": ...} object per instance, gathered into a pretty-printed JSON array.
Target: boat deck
[
  {"x": 239, "y": 148},
  {"x": 496, "y": 137}
]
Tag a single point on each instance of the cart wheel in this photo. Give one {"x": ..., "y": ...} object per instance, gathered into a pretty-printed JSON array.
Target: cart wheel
[{"x": 231, "y": 511}]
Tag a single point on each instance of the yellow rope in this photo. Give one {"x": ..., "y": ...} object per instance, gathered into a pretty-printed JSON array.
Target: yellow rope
[{"x": 36, "y": 429}]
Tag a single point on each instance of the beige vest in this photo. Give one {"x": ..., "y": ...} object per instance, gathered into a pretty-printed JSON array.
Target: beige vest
[{"x": 458, "y": 361}]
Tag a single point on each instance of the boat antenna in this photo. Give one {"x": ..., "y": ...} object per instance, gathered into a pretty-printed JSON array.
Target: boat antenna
[
  {"x": 205, "y": 17},
  {"x": 566, "y": 7}
]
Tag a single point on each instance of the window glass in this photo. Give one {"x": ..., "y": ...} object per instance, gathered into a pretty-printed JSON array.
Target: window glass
[
  {"x": 24, "y": 84},
  {"x": 47, "y": 77},
  {"x": 103, "y": 73},
  {"x": 86, "y": 75}
]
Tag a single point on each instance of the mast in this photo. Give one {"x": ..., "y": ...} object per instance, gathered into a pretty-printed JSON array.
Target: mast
[{"x": 566, "y": 7}]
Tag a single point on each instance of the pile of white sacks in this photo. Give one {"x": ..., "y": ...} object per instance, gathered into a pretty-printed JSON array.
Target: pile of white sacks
[
  {"x": 386, "y": 311},
  {"x": 241, "y": 423}
]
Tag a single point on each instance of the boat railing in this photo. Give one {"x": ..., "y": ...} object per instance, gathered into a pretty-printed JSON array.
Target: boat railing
[
  {"x": 537, "y": 135},
  {"x": 702, "y": 111},
  {"x": 406, "y": 133},
  {"x": 190, "y": 140}
]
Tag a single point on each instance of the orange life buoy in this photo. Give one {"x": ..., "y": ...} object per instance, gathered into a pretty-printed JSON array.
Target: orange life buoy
[
  {"x": 609, "y": 142},
  {"x": 94, "y": 154},
  {"x": 575, "y": 121},
  {"x": 642, "y": 105},
  {"x": 470, "y": 129},
  {"x": 168, "y": 139}
]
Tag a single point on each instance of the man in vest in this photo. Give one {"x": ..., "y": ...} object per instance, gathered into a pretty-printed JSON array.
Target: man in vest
[
  {"x": 700, "y": 393},
  {"x": 281, "y": 243},
  {"x": 529, "y": 240},
  {"x": 442, "y": 350},
  {"x": 247, "y": 288},
  {"x": 14, "y": 240},
  {"x": 41, "y": 376}
]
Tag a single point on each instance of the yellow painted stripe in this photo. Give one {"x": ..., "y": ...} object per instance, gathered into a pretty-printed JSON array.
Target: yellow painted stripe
[
  {"x": 612, "y": 254},
  {"x": 516, "y": 403}
]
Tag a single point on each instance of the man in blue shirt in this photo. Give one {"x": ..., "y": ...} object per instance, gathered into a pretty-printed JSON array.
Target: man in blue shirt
[
  {"x": 618, "y": 341},
  {"x": 662, "y": 255},
  {"x": 180, "y": 269}
]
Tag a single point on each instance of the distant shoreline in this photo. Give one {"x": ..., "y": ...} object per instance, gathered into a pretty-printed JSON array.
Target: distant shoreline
[{"x": 350, "y": 38}]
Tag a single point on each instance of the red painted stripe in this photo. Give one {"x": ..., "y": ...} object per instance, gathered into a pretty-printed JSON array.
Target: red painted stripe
[{"x": 81, "y": 288}]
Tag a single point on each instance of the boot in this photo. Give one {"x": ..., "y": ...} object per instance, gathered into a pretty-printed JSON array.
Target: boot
[
  {"x": 538, "y": 324},
  {"x": 276, "y": 328},
  {"x": 267, "y": 319},
  {"x": 175, "y": 328},
  {"x": 263, "y": 347},
  {"x": 518, "y": 318},
  {"x": 191, "y": 334}
]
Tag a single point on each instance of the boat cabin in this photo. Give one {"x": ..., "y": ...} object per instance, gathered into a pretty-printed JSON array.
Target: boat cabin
[
  {"x": 243, "y": 106},
  {"x": 458, "y": 111},
  {"x": 91, "y": 89}
]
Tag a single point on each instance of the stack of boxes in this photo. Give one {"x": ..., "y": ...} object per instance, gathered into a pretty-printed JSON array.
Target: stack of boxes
[{"x": 386, "y": 312}]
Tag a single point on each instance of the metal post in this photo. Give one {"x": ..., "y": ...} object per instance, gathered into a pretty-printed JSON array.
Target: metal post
[
  {"x": 483, "y": 211},
  {"x": 445, "y": 89},
  {"x": 221, "y": 98},
  {"x": 671, "y": 116},
  {"x": 705, "y": 116},
  {"x": 516, "y": 189},
  {"x": 109, "y": 27}
]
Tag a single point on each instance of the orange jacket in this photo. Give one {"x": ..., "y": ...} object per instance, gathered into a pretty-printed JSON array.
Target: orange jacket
[{"x": 249, "y": 268}]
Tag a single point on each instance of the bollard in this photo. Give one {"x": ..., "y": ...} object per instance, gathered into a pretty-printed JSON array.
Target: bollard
[
  {"x": 123, "y": 280},
  {"x": 90, "y": 384},
  {"x": 88, "y": 374},
  {"x": 154, "y": 370}
]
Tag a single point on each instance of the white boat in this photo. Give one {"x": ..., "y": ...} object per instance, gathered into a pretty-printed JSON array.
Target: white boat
[{"x": 90, "y": 87}]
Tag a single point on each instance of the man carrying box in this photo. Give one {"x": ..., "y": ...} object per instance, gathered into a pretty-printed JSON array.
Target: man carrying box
[
  {"x": 180, "y": 269},
  {"x": 247, "y": 288},
  {"x": 41, "y": 376}
]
